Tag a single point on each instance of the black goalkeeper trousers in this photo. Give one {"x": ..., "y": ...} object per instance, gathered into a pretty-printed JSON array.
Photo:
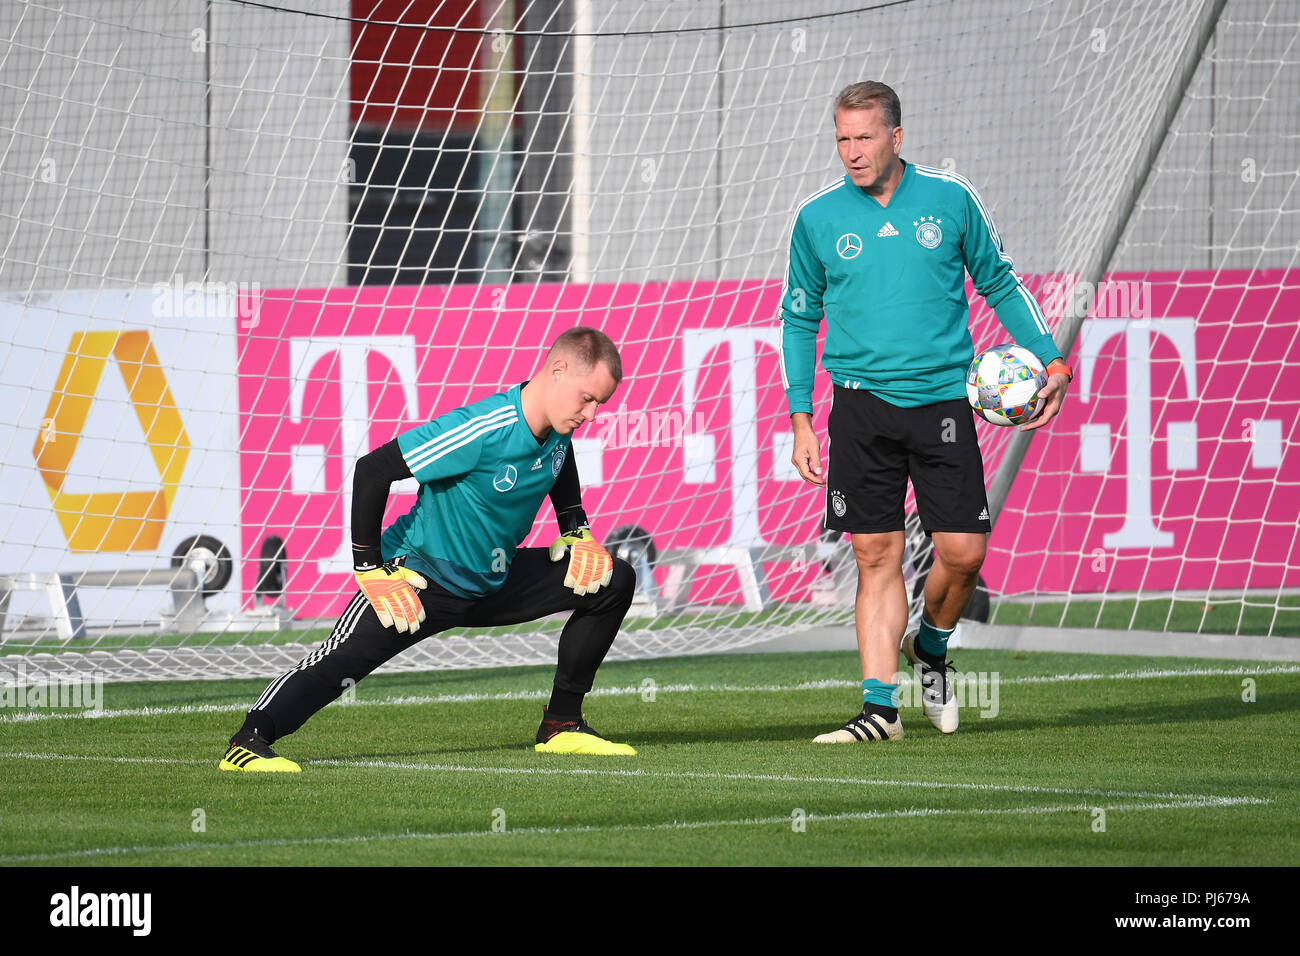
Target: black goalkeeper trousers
[{"x": 533, "y": 589}]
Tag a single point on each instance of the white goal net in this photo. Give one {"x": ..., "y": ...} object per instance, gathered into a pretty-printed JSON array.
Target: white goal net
[{"x": 242, "y": 243}]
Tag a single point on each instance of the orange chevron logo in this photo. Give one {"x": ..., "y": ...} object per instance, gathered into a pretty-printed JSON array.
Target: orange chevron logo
[{"x": 112, "y": 521}]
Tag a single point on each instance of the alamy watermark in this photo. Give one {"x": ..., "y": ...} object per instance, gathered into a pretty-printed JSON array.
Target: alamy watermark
[
  {"x": 83, "y": 692},
  {"x": 973, "y": 690},
  {"x": 658, "y": 429},
  {"x": 182, "y": 299},
  {"x": 75, "y": 908},
  {"x": 1111, "y": 299}
]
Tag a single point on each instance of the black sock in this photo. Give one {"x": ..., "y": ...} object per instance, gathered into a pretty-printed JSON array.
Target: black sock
[
  {"x": 564, "y": 705},
  {"x": 259, "y": 722},
  {"x": 928, "y": 658},
  {"x": 889, "y": 713}
]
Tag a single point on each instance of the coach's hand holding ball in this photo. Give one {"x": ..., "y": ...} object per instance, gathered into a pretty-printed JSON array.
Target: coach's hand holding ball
[
  {"x": 1008, "y": 385},
  {"x": 1059, "y": 377}
]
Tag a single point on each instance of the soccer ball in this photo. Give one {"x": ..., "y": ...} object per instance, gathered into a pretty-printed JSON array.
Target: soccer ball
[{"x": 1003, "y": 383}]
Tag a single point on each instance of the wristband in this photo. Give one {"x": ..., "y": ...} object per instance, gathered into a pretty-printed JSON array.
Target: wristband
[
  {"x": 366, "y": 557},
  {"x": 572, "y": 520},
  {"x": 1058, "y": 367}
]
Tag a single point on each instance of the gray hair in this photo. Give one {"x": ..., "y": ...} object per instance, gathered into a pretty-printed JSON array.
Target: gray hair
[{"x": 861, "y": 96}]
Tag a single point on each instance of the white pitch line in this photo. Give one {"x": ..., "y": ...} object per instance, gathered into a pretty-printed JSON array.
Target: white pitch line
[
  {"x": 677, "y": 775},
  {"x": 778, "y": 778},
  {"x": 811, "y": 818},
  {"x": 1153, "y": 674},
  {"x": 94, "y": 758},
  {"x": 30, "y": 716}
]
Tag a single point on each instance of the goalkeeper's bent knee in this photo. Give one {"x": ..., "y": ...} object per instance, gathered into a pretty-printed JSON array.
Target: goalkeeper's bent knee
[{"x": 623, "y": 582}]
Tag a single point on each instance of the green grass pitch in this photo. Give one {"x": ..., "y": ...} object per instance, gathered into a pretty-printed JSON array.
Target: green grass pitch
[{"x": 1089, "y": 760}]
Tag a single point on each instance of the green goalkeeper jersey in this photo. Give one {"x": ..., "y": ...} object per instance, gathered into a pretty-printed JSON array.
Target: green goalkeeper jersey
[
  {"x": 483, "y": 475},
  {"x": 890, "y": 281}
]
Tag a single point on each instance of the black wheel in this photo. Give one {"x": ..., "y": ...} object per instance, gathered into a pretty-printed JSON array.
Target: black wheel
[
  {"x": 217, "y": 564},
  {"x": 632, "y": 544},
  {"x": 977, "y": 608},
  {"x": 271, "y": 568}
]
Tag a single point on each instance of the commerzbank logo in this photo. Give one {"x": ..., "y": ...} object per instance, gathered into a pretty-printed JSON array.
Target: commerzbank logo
[{"x": 103, "y": 520}]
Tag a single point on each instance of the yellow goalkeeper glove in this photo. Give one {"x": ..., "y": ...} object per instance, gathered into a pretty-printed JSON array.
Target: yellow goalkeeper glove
[
  {"x": 390, "y": 589},
  {"x": 590, "y": 566}
]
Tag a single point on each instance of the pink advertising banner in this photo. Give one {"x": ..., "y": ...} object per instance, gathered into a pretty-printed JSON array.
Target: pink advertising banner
[
  {"x": 1170, "y": 465},
  {"x": 1175, "y": 464}
]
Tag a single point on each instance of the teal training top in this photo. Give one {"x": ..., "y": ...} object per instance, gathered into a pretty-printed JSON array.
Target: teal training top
[
  {"x": 891, "y": 283},
  {"x": 483, "y": 475}
]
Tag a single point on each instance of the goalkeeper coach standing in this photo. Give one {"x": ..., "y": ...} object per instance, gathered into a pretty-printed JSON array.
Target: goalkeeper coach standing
[
  {"x": 883, "y": 254},
  {"x": 454, "y": 560}
]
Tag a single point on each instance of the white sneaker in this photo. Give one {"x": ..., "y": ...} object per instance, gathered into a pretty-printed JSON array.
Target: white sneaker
[
  {"x": 938, "y": 702},
  {"x": 863, "y": 727}
]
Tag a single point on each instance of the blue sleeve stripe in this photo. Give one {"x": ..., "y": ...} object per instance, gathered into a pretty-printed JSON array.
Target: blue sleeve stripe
[{"x": 424, "y": 455}]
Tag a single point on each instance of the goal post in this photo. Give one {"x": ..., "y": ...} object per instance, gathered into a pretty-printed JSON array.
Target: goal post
[
  {"x": 1077, "y": 296},
  {"x": 243, "y": 243}
]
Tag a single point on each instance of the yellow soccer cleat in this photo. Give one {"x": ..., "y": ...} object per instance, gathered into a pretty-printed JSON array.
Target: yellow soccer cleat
[
  {"x": 252, "y": 754},
  {"x": 577, "y": 737}
]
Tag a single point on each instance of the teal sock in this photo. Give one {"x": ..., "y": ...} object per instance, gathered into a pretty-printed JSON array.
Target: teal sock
[
  {"x": 932, "y": 641},
  {"x": 879, "y": 694}
]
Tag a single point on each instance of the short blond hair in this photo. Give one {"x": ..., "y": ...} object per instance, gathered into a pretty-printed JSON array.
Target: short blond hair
[{"x": 587, "y": 346}]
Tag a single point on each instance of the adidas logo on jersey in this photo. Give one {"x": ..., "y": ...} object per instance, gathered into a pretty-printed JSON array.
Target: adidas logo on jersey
[
  {"x": 984, "y": 515},
  {"x": 887, "y": 230},
  {"x": 537, "y": 464}
]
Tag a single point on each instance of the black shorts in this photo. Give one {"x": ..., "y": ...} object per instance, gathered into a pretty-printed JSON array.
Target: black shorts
[{"x": 875, "y": 447}]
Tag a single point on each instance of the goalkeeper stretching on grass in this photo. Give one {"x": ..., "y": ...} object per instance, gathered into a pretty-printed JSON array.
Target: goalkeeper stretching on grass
[{"x": 454, "y": 560}]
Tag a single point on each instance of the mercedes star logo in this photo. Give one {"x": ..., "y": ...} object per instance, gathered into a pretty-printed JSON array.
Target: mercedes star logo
[{"x": 848, "y": 246}]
